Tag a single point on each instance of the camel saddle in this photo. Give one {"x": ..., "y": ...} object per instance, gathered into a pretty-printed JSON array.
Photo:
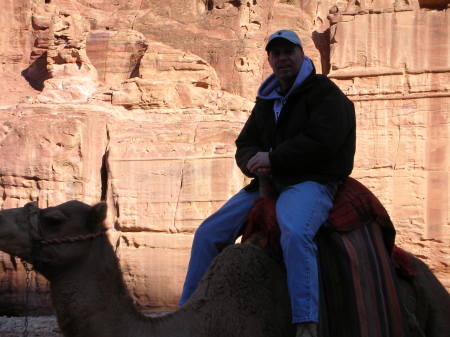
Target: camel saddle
[{"x": 357, "y": 260}]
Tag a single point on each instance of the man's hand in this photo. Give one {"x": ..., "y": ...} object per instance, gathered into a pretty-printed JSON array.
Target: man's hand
[
  {"x": 263, "y": 172},
  {"x": 259, "y": 164}
]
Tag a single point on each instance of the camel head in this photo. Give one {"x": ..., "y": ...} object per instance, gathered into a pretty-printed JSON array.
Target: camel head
[{"x": 51, "y": 237}]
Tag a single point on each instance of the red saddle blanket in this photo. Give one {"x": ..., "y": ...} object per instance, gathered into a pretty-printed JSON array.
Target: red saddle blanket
[
  {"x": 354, "y": 206},
  {"x": 355, "y": 248}
]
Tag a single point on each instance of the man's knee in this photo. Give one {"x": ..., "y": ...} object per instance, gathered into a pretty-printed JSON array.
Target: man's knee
[
  {"x": 202, "y": 233},
  {"x": 302, "y": 209}
]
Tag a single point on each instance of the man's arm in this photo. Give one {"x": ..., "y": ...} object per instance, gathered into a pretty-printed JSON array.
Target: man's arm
[{"x": 248, "y": 145}]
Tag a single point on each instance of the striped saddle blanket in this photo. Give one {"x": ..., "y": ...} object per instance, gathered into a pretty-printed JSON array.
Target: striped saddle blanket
[{"x": 359, "y": 296}]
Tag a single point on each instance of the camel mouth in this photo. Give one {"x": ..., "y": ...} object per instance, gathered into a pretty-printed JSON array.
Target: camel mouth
[
  {"x": 20, "y": 252},
  {"x": 15, "y": 236},
  {"x": 16, "y": 246}
]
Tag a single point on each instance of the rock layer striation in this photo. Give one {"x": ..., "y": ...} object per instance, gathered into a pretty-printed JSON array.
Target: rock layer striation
[{"x": 139, "y": 102}]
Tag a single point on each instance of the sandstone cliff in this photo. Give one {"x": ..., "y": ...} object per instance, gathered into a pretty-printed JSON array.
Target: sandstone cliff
[{"x": 139, "y": 102}]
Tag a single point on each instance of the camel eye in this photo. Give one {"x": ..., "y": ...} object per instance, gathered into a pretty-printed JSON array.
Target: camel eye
[{"x": 53, "y": 217}]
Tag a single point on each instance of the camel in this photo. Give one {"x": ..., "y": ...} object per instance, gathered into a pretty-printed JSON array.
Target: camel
[
  {"x": 243, "y": 293},
  {"x": 90, "y": 297}
]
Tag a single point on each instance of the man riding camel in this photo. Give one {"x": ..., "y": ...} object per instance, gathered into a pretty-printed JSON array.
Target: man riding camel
[{"x": 301, "y": 134}]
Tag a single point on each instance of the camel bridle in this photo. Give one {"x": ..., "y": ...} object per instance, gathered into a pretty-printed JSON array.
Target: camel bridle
[
  {"x": 37, "y": 241},
  {"x": 36, "y": 232}
]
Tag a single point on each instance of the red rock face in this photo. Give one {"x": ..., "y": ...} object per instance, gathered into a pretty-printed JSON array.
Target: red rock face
[
  {"x": 116, "y": 54},
  {"x": 139, "y": 102},
  {"x": 16, "y": 43},
  {"x": 402, "y": 93}
]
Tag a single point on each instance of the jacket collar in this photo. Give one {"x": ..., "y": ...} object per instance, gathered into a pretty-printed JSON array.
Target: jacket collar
[{"x": 270, "y": 89}]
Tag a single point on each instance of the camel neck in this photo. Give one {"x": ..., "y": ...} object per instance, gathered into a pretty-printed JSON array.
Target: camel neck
[{"x": 91, "y": 298}]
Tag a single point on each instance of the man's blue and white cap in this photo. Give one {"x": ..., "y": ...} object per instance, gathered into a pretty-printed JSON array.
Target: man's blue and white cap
[{"x": 288, "y": 35}]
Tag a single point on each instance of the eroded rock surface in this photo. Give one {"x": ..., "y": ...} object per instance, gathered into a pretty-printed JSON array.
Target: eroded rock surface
[{"x": 139, "y": 103}]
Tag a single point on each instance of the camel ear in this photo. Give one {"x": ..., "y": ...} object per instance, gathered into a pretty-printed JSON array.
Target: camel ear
[
  {"x": 53, "y": 216},
  {"x": 98, "y": 213}
]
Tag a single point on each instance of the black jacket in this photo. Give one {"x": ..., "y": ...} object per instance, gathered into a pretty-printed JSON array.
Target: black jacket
[{"x": 314, "y": 138}]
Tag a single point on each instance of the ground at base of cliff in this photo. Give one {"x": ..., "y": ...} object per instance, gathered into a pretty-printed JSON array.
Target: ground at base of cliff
[
  {"x": 42, "y": 326},
  {"x": 39, "y": 326}
]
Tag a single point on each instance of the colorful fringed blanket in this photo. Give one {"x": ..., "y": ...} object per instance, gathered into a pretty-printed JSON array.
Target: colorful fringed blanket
[{"x": 359, "y": 295}]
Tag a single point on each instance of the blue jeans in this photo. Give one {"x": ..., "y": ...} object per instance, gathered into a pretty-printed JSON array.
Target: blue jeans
[{"x": 301, "y": 209}]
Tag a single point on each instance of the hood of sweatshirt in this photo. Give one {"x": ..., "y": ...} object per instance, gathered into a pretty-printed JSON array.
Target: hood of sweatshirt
[{"x": 270, "y": 89}]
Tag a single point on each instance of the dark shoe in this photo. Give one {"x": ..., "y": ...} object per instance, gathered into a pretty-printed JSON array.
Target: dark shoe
[{"x": 308, "y": 329}]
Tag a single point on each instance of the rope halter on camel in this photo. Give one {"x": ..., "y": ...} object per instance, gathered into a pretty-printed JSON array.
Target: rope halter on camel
[{"x": 36, "y": 232}]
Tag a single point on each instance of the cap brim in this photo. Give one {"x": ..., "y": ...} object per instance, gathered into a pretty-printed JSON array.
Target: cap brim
[{"x": 279, "y": 38}]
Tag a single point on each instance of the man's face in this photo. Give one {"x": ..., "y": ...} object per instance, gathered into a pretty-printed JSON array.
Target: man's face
[{"x": 285, "y": 58}]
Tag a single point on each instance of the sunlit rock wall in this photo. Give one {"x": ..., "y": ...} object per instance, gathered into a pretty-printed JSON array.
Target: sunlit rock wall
[
  {"x": 395, "y": 66},
  {"x": 169, "y": 86}
]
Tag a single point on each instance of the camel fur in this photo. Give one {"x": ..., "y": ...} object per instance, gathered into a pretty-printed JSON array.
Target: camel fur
[
  {"x": 91, "y": 300},
  {"x": 243, "y": 294}
]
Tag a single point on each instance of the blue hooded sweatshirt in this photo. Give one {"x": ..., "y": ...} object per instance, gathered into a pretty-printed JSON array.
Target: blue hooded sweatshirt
[{"x": 270, "y": 89}]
